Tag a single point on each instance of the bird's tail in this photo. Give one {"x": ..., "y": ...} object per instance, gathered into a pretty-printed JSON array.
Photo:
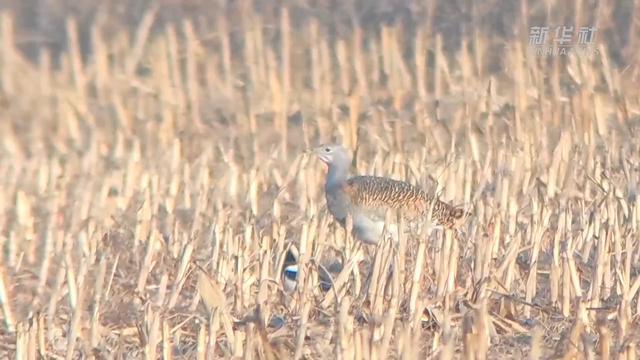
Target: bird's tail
[{"x": 458, "y": 216}]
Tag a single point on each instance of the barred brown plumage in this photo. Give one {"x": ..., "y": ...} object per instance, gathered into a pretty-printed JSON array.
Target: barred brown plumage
[
  {"x": 413, "y": 202},
  {"x": 368, "y": 198}
]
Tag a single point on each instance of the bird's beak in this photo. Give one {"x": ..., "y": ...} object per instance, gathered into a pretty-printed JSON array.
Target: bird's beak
[
  {"x": 319, "y": 153},
  {"x": 313, "y": 151}
]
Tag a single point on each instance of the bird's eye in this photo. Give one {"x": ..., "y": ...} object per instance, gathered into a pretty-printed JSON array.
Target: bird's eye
[{"x": 327, "y": 150}]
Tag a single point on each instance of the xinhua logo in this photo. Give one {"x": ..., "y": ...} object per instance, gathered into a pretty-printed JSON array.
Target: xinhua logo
[{"x": 563, "y": 40}]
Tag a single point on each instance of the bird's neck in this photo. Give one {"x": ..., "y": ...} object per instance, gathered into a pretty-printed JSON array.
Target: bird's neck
[{"x": 337, "y": 175}]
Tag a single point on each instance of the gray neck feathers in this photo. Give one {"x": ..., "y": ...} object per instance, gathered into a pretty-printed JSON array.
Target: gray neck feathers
[{"x": 338, "y": 172}]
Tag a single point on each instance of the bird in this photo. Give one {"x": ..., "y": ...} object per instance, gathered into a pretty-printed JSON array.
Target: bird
[
  {"x": 367, "y": 198},
  {"x": 326, "y": 272},
  {"x": 290, "y": 271}
]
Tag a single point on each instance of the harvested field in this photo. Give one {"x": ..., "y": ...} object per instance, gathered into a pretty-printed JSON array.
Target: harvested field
[{"x": 153, "y": 179}]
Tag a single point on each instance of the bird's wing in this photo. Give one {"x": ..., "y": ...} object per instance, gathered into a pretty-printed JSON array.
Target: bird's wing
[{"x": 374, "y": 195}]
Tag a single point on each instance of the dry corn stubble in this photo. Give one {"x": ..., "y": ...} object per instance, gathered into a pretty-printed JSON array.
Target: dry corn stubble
[{"x": 152, "y": 181}]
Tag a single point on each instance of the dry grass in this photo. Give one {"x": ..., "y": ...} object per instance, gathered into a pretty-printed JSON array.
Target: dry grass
[{"x": 165, "y": 166}]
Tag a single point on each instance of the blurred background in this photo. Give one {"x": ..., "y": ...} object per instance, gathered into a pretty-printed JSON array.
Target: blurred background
[
  {"x": 41, "y": 23},
  {"x": 138, "y": 138}
]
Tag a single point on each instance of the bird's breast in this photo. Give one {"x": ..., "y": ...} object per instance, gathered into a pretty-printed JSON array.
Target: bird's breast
[{"x": 337, "y": 205}]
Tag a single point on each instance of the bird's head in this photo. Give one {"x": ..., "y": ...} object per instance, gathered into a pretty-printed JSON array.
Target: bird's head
[{"x": 331, "y": 154}]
